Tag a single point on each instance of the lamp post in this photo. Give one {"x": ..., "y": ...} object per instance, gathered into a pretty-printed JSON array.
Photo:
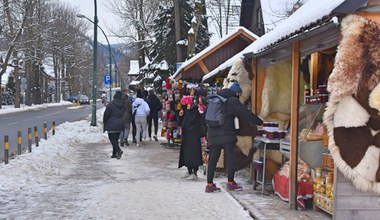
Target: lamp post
[
  {"x": 94, "y": 70},
  {"x": 109, "y": 49}
]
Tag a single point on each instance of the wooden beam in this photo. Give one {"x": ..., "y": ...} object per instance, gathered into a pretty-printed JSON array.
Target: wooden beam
[
  {"x": 314, "y": 70},
  {"x": 294, "y": 126},
  {"x": 217, "y": 47},
  {"x": 254, "y": 87},
  {"x": 203, "y": 67}
]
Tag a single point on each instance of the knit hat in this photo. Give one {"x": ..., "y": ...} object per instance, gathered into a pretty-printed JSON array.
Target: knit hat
[
  {"x": 117, "y": 95},
  {"x": 235, "y": 87},
  {"x": 186, "y": 100}
]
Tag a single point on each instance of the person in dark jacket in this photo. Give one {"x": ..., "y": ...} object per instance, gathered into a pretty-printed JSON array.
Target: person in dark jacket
[
  {"x": 127, "y": 117},
  {"x": 113, "y": 123},
  {"x": 224, "y": 137},
  {"x": 155, "y": 106},
  {"x": 191, "y": 149}
]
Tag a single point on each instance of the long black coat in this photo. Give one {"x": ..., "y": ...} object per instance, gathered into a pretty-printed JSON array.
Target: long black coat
[
  {"x": 113, "y": 116},
  {"x": 191, "y": 149},
  {"x": 227, "y": 132},
  {"x": 154, "y": 104}
]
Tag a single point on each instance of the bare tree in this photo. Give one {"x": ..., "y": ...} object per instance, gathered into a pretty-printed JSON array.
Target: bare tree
[
  {"x": 224, "y": 14},
  {"x": 15, "y": 23},
  {"x": 137, "y": 17}
]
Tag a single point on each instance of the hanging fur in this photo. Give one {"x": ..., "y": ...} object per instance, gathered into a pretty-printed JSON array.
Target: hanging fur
[{"x": 352, "y": 113}]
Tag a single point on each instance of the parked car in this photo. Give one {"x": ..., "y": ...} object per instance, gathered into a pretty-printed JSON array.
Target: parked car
[
  {"x": 71, "y": 98},
  {"x": 83, "y": 99}
]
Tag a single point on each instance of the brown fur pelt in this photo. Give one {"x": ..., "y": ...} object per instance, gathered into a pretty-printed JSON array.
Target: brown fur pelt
[{"x": 351, "y": 116}]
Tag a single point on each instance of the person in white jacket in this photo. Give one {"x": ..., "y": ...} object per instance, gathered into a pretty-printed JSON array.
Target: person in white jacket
[{"x": 140, "y": 110}]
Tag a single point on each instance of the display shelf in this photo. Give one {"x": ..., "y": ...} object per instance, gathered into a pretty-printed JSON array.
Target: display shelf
[{"x": 317, "y": 207}]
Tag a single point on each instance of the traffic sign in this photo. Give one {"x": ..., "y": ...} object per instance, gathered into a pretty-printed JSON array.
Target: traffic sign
[{"x": 107, "y": 79}]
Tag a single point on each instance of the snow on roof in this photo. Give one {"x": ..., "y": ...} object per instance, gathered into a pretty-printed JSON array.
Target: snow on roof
[
  {"x": 209, "y": 48},
  {"x": 308, "y": 14},
  {"x": 275, "y": 11},
  {"x": 133, "y": 68}
]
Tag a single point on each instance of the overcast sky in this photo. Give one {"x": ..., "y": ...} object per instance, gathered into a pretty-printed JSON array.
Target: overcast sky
[{"x": 107, "y": 20}]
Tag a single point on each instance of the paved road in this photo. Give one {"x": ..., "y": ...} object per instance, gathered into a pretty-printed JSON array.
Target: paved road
[{"x": 11, "y": 123}]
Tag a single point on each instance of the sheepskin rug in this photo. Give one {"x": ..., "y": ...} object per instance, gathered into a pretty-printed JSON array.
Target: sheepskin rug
[{"x": 352, "y": 113}]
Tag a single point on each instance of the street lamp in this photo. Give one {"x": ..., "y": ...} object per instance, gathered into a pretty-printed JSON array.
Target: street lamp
[
  {"x": 109, "y": 49},
  {"x": 94, "y": 71}
]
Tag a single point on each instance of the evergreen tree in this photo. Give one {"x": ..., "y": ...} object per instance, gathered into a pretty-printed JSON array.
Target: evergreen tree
[
  {"x": 10, "y": 90},
  {"x": 164, "y": 44}
]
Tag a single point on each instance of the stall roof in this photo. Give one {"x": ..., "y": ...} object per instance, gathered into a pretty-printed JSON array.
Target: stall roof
[
  {"x": 203, "y": 57},
  {"x": 306, "y": 17}
]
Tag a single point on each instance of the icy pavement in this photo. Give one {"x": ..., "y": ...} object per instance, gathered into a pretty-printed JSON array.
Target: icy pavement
[{"x": 144, "y": 184}]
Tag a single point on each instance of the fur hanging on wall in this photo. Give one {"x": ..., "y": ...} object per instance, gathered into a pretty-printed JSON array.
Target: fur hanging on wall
[{"x": 352, "y": 113}]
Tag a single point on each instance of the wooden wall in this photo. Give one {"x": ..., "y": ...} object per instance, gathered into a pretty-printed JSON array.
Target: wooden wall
[{"x": 352, "y": 204}]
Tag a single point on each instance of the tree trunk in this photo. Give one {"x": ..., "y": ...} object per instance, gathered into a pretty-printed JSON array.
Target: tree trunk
[
  {"x": 177, "y": 23},
  {"x": 17, "y": 81},
  {"x": 192, "y": 36},
  {"x": 228, "y": 14}
]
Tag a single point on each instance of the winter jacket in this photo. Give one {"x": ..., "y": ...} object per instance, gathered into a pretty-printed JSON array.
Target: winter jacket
[
  {"x": 154, "y": 104},
  {"x": 128, "y": 109},
  {"x": 113, "y": 116},
  {"x": 191, "y": 149},
  {"x": 234, "y": 108},
  {"x": 141, "y": 106}
]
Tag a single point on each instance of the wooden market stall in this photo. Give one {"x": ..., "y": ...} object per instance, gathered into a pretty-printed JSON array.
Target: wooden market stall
[
  {"x": 214, "y": 55},
  {"x": 317, "y": 42}
]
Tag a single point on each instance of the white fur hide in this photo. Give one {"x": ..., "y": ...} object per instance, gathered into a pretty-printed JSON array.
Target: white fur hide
[
  {"x": 240, "y": 74},
  {"x": 276, "y": 95},
  {"x": 348, "y": 107}
]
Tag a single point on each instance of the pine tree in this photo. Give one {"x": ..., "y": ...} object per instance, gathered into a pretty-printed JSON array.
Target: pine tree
[
  {"x": 10, "y": 90},
  {"x": 163, "y": 47}
]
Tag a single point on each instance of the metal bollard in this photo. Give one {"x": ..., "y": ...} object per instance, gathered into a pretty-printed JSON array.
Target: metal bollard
[
  {"x": 19, "y": 141},
  {"x": 30, "y": 140},
  {"x": 53, "y": 128},
  {"x": 36, "y": 136},
  {"x": 45, "y": 130},
  {"x": 6, "y": 149}
]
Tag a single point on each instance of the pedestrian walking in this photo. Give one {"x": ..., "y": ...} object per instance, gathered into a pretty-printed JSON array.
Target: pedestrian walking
[
  {"x": 140, "y": 111},
  {"x": 191, "y": 149},
  {"x": 113, "y": 123},
  {"x": 224, "y": 136},
  {"x": 155, "y": 106},
  {"x": 127, "y": 117}
]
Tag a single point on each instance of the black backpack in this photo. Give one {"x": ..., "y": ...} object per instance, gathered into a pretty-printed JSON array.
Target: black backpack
[{"x": 216, "y": 111}]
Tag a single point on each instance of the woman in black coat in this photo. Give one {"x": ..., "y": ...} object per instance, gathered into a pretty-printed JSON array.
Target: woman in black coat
[
  {"x": 191, "y": 148},
  {"x": 113, "y": 123}
]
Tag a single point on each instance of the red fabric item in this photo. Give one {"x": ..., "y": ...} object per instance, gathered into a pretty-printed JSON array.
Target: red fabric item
[
  {"x": 168, "y": 85},
  {"x": 186, "y": 100},
  {"x": 281, "y": 188}
]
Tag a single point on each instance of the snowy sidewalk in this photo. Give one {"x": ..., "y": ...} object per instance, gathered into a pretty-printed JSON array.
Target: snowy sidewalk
[{"x": 144, "y": 184}]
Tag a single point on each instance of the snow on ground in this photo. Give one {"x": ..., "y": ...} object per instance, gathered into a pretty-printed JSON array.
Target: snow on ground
[
  {"x": 10, "y": 108},
  {"x": 71, "y": 176}
]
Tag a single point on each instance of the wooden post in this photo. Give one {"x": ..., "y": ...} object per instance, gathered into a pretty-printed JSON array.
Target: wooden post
[
  {"x": 45, "y": 130},
  {"x": 36, "y": 135},
  {"x": 19, "y": 141},
  {"x": 30, "y": 140},
  {"x": 294, "y": 127},
  {"x": 53, "y": 128},
  {"x": 254, "y": 87},
  {"x": 6, "y": 149}
]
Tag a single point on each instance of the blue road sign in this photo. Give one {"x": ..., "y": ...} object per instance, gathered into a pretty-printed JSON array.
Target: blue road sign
[{"x": 107, "y": 79}]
